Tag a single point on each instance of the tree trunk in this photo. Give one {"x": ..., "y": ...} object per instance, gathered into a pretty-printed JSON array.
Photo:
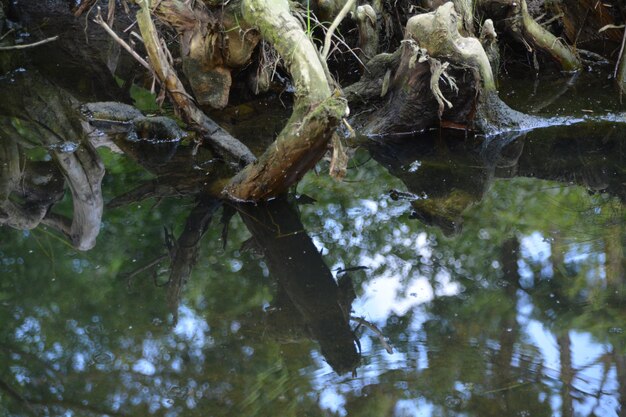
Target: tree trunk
[{"x": 304, "y": 139}]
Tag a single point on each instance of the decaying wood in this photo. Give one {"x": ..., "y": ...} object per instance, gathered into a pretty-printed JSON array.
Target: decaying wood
[
  {"x": 433, "y": 45},
  {"x": 213, "y": 43},
  {"x": 517, "y": 21},
  {"x": 368, "y": 32},
  {"x": 297, "y": 149},
  {"x": 489, "y": 40},
  {"x": 546, "y": 41},
  {"x": 438, "y": 33},
  {"x": 465, "y": 9}
]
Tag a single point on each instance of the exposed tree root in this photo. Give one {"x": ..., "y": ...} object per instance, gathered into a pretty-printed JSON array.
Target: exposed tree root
[
  {"x": 520, "y": 23},
  {"x": 546, "y": 41},
  {"x": 438, "y": 33}
]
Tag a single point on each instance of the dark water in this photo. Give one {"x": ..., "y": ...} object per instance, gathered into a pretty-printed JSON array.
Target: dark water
[{"x": 445, "y": 276}]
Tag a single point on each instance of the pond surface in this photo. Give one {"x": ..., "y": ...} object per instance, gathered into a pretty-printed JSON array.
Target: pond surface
[{"x": 445, "y": 276}]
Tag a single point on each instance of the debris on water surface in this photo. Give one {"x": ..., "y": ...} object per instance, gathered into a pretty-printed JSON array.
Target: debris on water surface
[{"x": 64, "y": 147}]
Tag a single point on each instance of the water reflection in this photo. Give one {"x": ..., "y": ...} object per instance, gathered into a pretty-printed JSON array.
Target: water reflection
[
  {"x": 35, "y": 113},
  {"x": 494, "y": 268}
]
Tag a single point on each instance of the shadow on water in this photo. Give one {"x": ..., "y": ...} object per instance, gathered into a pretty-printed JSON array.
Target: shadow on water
[
  {"x": 443, "y": 177},
  {"x": 495, "y": 267}
]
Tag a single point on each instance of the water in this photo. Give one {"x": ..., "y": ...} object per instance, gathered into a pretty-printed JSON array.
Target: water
[{"x": 492, "y": 270}]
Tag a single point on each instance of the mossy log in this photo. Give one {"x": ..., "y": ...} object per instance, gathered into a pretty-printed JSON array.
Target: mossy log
[{"x": 304, "y": 139}]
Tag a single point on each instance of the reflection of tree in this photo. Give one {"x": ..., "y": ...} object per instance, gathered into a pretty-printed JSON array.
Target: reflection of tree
[
  {"x": 301, "y": 272},
  {"x": 476, "y": 342},
  {"x": 480, "y": 358},
  {"x": 620, "y": 369},
  {"x": 291, "y": 256},
  {"x": 35, "y": 112},
  {"x": 97, "y": 364},
  {"x": 206, "y": 369},
  {"x": 236, "y": 356},
  {"x": 29, "y": 188}
]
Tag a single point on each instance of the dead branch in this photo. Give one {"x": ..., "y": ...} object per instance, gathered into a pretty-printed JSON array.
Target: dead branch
[
  {"x": 376, "y": 330},
  {"x": 98, "y": 20},
  {"x": 229, "y": 147}
]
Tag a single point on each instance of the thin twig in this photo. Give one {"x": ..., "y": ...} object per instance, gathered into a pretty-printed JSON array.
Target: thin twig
[
  {"x": 342, "y": 14},
  {"x": 7, "y": 34},
  {"x": 342, "y": 41},
  {"x": 17, "y": 397},
  {"x": 620, "y": 55},
  {"x": 84, "y": 5},
  {"x": 136, "y": 36},
  {"x": 98, "y": 20},
  {"x": 376, "y": 330},
  {"x": 130, "y": 275},
  {"x": 130, "y": 26},
  {"x": 29, "y": 45}
]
